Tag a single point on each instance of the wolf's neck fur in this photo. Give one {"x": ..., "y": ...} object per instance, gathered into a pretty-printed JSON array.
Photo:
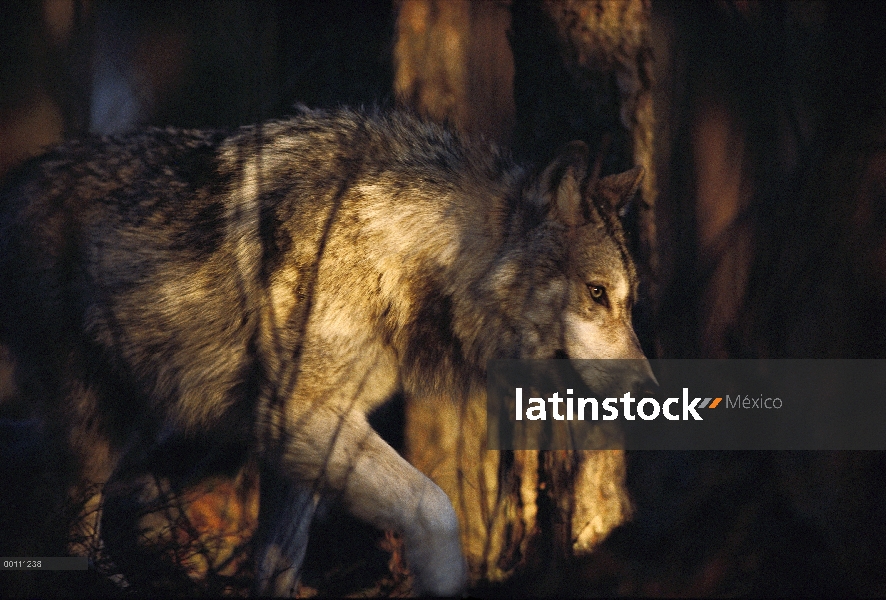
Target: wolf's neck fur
[{"x": 457, "y": 239}]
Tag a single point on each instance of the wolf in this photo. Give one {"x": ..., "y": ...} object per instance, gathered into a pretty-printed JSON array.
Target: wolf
[{"x": 175, "y": 298}]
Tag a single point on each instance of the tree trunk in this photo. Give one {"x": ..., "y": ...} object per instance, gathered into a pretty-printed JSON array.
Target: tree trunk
[
  {"x": 529, "y": 511},
  {"x": 452, "y": 62}
]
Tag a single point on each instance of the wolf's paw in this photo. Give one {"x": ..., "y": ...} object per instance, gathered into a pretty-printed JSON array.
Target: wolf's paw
[{"x": 434, "y": 554}]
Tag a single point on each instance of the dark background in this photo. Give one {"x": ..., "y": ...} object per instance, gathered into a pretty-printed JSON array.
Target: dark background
[{"x": 771, "y": 157}]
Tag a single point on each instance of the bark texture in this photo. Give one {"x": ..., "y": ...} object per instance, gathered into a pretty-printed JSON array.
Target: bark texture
[{"x": 535, "y": 74}]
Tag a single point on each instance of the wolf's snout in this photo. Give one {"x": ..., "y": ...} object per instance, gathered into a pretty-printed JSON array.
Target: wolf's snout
[
  {"x": 648, "y": 383},
  {"x": 645, "y": 381}
]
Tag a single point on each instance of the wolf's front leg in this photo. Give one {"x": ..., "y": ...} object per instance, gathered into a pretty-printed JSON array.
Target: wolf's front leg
[
  {"x": 344, "y": 455},
  {"x": 285, "y": 513}
]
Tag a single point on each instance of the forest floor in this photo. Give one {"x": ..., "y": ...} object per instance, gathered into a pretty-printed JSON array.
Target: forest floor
[{"x": 705, "y": 524}]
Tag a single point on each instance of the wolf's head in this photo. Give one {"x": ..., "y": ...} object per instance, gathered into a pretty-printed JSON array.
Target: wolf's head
[{"x": 566, "y": 279}]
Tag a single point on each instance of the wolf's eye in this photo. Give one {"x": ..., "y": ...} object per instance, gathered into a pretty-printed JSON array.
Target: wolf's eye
[{"x": 598, "y": 294}]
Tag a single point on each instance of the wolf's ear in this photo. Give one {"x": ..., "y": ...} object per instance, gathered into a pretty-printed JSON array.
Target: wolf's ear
[
  {"x": 619, "y": 189},
  {"x": 560, "y": 183}
]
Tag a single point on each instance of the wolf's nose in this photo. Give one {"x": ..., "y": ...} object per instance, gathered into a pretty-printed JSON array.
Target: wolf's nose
[
  {"x": 653, "y": 380},
  {"x": 649, "y": 382}
]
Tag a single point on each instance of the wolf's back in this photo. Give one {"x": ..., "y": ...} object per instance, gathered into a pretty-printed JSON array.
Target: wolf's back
[
  {"x": 97, "y": 240},
  {"x": 149, "y": 258}
]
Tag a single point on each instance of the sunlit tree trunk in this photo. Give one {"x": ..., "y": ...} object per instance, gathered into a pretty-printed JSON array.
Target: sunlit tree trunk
[
  {"x": 452, "y": 62},
  {"x": 463, "y": 62}
]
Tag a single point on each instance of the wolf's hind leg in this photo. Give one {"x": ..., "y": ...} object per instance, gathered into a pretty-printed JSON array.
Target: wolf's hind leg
[{"x": 285, "y": 513}]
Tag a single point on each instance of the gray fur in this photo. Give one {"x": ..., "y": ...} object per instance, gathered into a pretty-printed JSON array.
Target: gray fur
[{"x": 268, "y": 288}]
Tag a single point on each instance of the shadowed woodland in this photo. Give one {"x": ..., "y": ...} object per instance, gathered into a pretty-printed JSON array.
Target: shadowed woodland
[{"x": 759, "y": 232}]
